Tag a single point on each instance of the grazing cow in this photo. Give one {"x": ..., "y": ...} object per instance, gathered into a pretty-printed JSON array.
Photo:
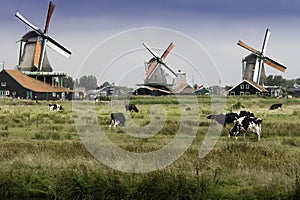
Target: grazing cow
[
  {"x": 244, "y": 113},
  {"x": 223, "y": 119},
  {"x": 246, "y": 123},
  {"x": 229, "y": 118},
  {"x": 276, "y": 106},
  {"x": 96, "y": 101},
  {"x": 131, "y": 107},
  {"x": 117, "y": 119},
  {"x": 55, "y": 106},
  {"x": 188, "y": 109}
]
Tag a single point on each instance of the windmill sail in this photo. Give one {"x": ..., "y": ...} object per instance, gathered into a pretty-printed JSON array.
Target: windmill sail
[
  {"x": 275, "y": 64},
  {"x": 37, "y": 53},
  {"x": 242, "y": 44},
  {"x": 167, "y": 51}
]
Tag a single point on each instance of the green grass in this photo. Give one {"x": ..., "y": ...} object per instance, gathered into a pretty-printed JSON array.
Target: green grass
[{"x": 42, "y": 156}]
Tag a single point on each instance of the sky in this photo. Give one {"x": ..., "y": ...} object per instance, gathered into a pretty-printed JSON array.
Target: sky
[{"x": 106, "y": 36}]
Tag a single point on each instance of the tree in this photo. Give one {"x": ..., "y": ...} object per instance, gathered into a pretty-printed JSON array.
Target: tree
[
  {"x": 275, "y": 80},
  {"x": 68, "y": 82},
  {"x": 88, "y": 82}
]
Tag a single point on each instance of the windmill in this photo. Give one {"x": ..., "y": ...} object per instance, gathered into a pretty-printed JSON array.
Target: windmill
[
  {"x": 157, "y": 72},
  {"x": 34, "y": 57},
  {"x": 156, "y": 68},
  {"x": 254, "y": 69}
]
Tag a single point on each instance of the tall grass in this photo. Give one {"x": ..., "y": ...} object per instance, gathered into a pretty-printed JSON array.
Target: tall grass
[{"x": 41, "y": 155}]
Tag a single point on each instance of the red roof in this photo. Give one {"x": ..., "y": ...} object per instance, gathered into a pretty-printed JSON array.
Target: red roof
[{"x": 34, "y": 84}]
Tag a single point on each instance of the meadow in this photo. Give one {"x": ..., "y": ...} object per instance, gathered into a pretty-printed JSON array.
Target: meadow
[{"x": 43, "y": 157}]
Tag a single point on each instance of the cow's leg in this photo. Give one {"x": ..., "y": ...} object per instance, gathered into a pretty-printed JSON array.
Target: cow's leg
[
  {"x": 237, "y": 132},
  {"x": 111, "y": 123},
  {"x": 117, "y": 122},
  {"x": 258, "y": 132}
]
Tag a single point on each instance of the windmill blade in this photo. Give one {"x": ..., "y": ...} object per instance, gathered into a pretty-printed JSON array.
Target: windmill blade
[
  {"x": 154, "y": 54},
  {"x": 275, "y": 64},
  {"x": 168, "y": 70},
  {"x": 37, "y": 54},
  {"x": 256, "y": 70},
  {"x": 58, "y": 47},
  {"x": 242, "y": 44},
  {"x": 167, "y": 51},
  {"x": 24, "y": 20},
  {"x": 49, "y": 15},
  {"x": 151, "y": 69},
  {"x": 266, "y": 39}
]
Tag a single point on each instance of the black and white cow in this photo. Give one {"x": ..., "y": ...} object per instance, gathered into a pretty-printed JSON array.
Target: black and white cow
[
  {"x": 131, "y": 107},
  {"x": 55, "y": 106},
  {"x": 188, "y": 109},
  {"x": 244, "y": 124},
  {"x": 117, "y": 119},
  {"x": 276, "y": 106},
  {"x": 229, "y": 118},
  {"x": 244, "y": 113}
]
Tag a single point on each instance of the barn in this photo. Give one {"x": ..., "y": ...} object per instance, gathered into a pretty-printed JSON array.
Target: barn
[
  {"x": 247, "y": 87},
  {"x": 14, "y": 83}
]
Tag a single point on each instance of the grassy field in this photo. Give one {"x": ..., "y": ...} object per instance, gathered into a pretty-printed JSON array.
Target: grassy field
[{"x": 43, "y": 157}]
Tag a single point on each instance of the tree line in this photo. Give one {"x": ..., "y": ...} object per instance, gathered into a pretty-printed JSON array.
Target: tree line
[{"x": 278, "y": 80}]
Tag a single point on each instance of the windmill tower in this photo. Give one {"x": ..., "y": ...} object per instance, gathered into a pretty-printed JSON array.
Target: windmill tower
[
  {"x": 33, "y": 59},
  {"x": 30, "y": 51},
  {"x": 253, "y": 65}
]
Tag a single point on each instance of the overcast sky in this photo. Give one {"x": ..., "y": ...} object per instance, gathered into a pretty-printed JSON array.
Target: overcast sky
[{"x": 106, "y": 36}]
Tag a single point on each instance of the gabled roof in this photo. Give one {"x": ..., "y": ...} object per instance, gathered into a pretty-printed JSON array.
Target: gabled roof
[
  {"x": 185, "y": 88},
  {"x": 34, "y": 84},
  {"x": 153, "y": 89},
  {"x": 258, "y": 87}
]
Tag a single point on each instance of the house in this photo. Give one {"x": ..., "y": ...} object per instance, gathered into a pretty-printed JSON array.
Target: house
[
  {"x": 295, "y": 91},
  {"x": 80, "y": 93},
  {"x": 14, "y": 83},
  {"x": 247, "y": 87},
  {"x": 184, "y": 89}
]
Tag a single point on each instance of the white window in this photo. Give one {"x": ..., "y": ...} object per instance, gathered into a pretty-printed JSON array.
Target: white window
[
  {"x": 232, "y": 93},
  {"x": 247, "y": 93},
  {"x": 3, "y": 84},
  {"x": 242, "y": 86},
  {"x": 257, "y": 93},
  {"x": 247, "y": 86},
  {"x": 241, "y": 93}
]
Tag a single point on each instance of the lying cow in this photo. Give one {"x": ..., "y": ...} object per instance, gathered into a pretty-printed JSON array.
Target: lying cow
[
  {"x": 276, "y": 106},
  {"x": 246, "y": 123},
  {"x": 131, "y": 107},
  {"x": 117, "y": 119},
  {"x": 55, "y": 106},
  {"x": 229, "y": 118}
]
